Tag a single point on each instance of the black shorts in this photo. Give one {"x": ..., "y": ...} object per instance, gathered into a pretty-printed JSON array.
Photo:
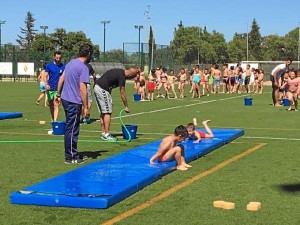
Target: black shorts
[{"x": 275, "y": 87}]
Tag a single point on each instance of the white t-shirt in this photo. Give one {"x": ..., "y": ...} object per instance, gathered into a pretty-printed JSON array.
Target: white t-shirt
[{"x": 282, "y": 68}]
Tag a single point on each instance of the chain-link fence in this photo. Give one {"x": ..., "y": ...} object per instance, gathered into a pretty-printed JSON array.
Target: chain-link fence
[{"x": 147, "y": 55}]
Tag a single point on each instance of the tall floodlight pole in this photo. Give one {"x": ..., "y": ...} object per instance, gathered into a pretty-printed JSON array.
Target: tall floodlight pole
[
  {"x": 139, "y": 27},
  {"x": 247, "y": 44},
  {"x": 44, "y": 27},
  {"x": 104, "y": 22},
  {"x": 1, "y": 22}
]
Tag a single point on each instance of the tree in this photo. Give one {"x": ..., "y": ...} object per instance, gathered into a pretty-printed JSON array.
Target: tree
[
  {"x": 151, "y": 43},
  {"x": 29, "y": 32},
  {"x": 291, "y": 44},
  {"x": 115, "y": 55},
  {"x": 237, "y": 48},
  {"x": 273, "y": 48},
  {"x": 255, "y": 41}
]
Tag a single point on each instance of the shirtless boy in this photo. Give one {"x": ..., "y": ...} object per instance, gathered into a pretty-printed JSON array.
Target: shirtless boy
[{"x": 168, "y": 150}]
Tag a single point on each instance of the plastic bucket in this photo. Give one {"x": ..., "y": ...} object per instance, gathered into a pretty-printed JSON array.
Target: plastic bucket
[
  {"x": 58, "y": 127},
  {"x": 137, "y": 97},
  {"x": 248, "y": 101},
  {"x": 132, "y": 129},
  {"x": 286, "y": 102}
]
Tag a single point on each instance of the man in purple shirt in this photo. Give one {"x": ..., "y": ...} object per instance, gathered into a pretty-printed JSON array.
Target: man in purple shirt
[{"x": 72, "y": 92}]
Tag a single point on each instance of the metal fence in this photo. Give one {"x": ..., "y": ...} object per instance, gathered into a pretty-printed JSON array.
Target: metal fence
[{"x": 147, "y": 55}]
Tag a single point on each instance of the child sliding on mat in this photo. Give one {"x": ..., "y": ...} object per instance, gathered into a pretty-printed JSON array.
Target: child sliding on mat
[
  {"x": 196, "y": 134},
  {"x": 168, "y": 150}
]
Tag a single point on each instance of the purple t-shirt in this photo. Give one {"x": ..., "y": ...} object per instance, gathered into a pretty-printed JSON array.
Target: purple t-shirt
[{"x": 76, "y": 72}]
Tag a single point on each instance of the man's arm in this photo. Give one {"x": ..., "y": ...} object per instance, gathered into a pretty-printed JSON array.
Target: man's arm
[
  {"x": 124, "y": 99},
  {"x": 60, "y": 84},
  {"x": 275, "y": 76},
  {"x": 46, "y": 80},
  {"x": 83, "y": 96}
]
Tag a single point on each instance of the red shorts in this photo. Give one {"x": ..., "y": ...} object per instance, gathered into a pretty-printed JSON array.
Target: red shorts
[
  {"x": 202, "y": 134},
  {"x": 151, "y": 86},
  {"x": 163, "y": 158}
]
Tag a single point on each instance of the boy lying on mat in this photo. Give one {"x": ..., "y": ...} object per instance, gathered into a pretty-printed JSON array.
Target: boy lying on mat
[
  {"x": 168, "y": 150},
  {"x": 196, "y": 134}
]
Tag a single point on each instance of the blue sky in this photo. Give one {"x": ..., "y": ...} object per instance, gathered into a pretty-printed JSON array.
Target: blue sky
[{"x": 227, "y": 17}]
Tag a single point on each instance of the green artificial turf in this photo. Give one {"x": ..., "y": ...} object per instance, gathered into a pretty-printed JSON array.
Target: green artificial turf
[{"x": 269, "y": 175}]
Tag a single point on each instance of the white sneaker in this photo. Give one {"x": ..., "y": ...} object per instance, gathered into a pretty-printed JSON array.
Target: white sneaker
[{"x": 108, "y": 137}]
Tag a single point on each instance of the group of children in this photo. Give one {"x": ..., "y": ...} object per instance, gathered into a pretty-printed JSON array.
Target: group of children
[
  {"x": 170, "y": 150},
  {"x": 209, "y": 81},
  {"x": 290, "y": 88}
]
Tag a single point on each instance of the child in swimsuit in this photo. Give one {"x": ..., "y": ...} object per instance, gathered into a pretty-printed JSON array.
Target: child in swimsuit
[
  {"x": 198, "y": 135},
  {"x": 292, "y": 93},
  {"x": 169, "y": 150}
]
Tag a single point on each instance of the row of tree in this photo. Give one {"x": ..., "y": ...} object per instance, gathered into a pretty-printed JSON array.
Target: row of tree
[
  {"x": 188, "y": 42},
  {"x": 189, "y": 45}
]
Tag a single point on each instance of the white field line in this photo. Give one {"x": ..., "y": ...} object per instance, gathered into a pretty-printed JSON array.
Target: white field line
[
  {"x": 178, "y": 107},
  {"x": 164, "y": 134},
  {"x": 272, "y": 138}
]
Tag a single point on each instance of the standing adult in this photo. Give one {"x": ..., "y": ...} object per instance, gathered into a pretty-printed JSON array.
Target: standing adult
[
  {"x": 53, "y": 72},
  {"x": 109, "y": 80},
  {"x": 72, "y": 86},
  {"x": 276, "y": 74}
]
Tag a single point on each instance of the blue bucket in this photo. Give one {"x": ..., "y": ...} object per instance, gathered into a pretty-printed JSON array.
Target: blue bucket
[
  {"x": 137, "y": 97},
  {"x": 132, "y": 131},
  {"x": 286, "y": 102},
  {"x": 58, "y": 127},
  {"x": 248, "y": 101}
]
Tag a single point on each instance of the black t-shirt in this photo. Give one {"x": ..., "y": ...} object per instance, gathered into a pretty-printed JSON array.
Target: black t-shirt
[
  {"x": 91, "y": 70},
  {"x": 111, "y": 79}
]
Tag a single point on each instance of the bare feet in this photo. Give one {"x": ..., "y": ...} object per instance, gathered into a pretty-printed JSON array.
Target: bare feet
[
  {"x": 205, "y": 122},
  {"x": 277, "y": 105},
  {"x": 195, "y": 121},
  {"x": 187, "y": 165},
  {"x": 181, "y": 168}
]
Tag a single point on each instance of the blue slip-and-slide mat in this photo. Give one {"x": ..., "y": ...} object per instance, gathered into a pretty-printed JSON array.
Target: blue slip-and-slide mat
[
  {"x": 104, "y": 183},
  {"x": 10, "y": 115}
]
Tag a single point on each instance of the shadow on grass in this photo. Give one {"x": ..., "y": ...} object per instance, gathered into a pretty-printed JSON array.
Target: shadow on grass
[
  {"x": 291, "y": 188},
  {"x": 92, "y": 154}
]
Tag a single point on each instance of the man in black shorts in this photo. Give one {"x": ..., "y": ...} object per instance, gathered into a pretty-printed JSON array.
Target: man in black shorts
[{"x": 109, "y": 80}]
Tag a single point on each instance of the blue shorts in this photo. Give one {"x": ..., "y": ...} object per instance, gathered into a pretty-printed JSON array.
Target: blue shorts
[{"x": 42, "y": 86}]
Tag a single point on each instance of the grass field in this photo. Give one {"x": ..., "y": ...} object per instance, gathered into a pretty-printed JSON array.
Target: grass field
[{"x": 267, "y": 172}]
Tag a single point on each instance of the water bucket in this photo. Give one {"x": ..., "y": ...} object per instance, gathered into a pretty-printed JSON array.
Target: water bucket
[
  {"x": 132, "y": 131},
  {"x": 248, "y": 101},
  {"x": 286, "y": 102},
  {"x": 58, "y": 127},
  {"x": 137, "y": 97}
]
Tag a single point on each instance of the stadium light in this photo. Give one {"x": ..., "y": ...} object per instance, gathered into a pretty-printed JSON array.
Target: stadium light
[
  {"x": 104, "y": 22},
  {"x": 139, "y": 27},
  {"x": 1, "y": 22},
  {"x": 45, "y": 28}
]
